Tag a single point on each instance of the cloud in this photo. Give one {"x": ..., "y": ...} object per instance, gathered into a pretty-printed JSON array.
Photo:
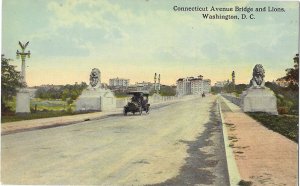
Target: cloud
[
  {"x": 150, "y": 34},
  {"x": 90, "y": 14}
]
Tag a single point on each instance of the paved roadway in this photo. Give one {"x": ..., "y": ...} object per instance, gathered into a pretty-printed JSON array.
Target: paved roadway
[{"x": 177, "y": 144}]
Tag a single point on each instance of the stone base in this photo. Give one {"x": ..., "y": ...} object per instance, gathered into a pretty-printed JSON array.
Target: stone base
[
  {"x": 259, "y": 100},
  {"x": 96, "y": 100},
  {"x": 23, "y": 102}
]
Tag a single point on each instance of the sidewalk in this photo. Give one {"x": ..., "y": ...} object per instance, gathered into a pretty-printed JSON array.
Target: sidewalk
[
  {"x": 26, "y": 125},
  {"x": 262, "y": 156}
]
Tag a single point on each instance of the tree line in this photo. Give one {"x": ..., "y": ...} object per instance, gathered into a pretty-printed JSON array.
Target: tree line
[{"x": 62, "y": 92}]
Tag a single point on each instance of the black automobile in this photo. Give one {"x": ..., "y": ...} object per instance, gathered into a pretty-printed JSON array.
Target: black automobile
[{"x": 138, "y": 103}]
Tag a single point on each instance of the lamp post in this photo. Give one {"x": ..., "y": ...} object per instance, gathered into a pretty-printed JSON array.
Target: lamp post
[
  {"x": 23, "y": 55},
  {"x": 158, "y": 88},
  {"x": 23, "y": 95},
  {"x": 233, "y": 80},
  {"x": 155, "y": 82}
]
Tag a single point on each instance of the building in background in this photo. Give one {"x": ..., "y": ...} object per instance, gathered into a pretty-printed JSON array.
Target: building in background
[
  {"x": 183, "y": 86},
  {"x": 206, "y": 86},
  {"x": 194, "y": 86},
  {"x": 144, "y": 86},
  {"x": 197, "y": 85},
  {"x": 118, "y": 83}
]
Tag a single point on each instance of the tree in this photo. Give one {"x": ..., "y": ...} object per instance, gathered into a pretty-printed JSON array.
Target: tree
[
  {"x": 61, "y": 91},
  {"x": 228, "y": 88},
  {"x": 240, "y": 88},
  {"x": 166, "y": 90},
  {"x": 216, "y": 90},
  {"x": 292, "y": 74},
  {"x": 10, "y": 81},
  {"x": 286, "y": 97}
]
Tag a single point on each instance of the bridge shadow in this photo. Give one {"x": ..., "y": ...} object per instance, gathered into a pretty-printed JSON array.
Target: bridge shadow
[{"x": 198, "y": 164}]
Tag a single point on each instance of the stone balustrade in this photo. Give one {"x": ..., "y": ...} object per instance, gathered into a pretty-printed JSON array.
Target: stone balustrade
[
  {"x": 121, "y": 102},
  {"x": 236, "y": 100}
]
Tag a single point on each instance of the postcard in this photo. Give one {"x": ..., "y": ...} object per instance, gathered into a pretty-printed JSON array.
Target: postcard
[{"x": 149, "y": 92}]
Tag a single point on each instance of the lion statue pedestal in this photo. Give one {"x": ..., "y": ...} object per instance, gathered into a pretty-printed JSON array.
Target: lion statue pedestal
[
  {"x": 95, "y": 97},
  {"x": 23, "y": 101},
  {"x": 259, "y": 98}
]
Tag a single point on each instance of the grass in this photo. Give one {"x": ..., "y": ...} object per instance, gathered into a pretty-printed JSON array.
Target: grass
[
  {"x": 43, "y": 105},
  {"x": 52, "y": 105},
  {"x": 44, "y": 109},
  {"x": 37, "y": 115},
  {"x": 245, "y": 183},
  {"x": 286, "y": 125}
]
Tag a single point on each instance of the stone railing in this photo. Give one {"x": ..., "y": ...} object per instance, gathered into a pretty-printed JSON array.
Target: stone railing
[
  {"x": 154, "y": 99},
  {"x": 121, "y": 102},
  {"x": 237, "y": 101},
  {"x": 159, "y": 99}
]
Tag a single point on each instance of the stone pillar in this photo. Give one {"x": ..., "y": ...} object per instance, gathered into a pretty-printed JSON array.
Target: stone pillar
[
  {"x": 23, "y": 73},
  {"x": 23, "y": 102},
  {"x": 23, "y": 96},
  {"x": 155, "y": 82},
  {"x": 158, "y": 88},
  {"x": 233, "y": 79}
]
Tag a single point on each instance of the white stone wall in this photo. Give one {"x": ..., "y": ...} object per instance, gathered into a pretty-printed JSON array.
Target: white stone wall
[{"x": 96, "y": 100}]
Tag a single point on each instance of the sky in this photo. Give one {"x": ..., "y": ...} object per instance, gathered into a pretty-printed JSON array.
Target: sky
[{"x": 137, "y": 38}]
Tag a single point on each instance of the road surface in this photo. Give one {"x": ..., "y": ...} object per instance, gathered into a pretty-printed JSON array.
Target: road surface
[{"x": 177, "y": 144}]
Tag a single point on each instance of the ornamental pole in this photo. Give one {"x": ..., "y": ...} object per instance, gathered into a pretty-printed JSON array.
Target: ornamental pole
[{"x": 23, "y": 55}]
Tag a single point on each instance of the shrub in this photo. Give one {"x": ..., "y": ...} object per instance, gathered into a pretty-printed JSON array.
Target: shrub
[{"x": 283, "y": 110}]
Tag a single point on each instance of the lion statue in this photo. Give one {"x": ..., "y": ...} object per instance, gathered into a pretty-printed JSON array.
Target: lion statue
[
  {"x": 95, "y": 77},
  {"x": 258, "y": 76}
]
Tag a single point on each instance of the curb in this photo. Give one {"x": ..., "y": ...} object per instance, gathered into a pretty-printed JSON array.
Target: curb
[
  {"x": 54, "y": 124},
  {"x": 234, "y": 175}
]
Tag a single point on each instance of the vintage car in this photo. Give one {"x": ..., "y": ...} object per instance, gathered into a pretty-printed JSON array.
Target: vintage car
[{"x": 138, "y": 103}]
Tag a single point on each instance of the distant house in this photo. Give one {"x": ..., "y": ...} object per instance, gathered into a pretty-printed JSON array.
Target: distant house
[
  {"x": 194, "y": 86},
  {"x": 118, "y": 83},
  {"x": 144, "y": 86}
]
